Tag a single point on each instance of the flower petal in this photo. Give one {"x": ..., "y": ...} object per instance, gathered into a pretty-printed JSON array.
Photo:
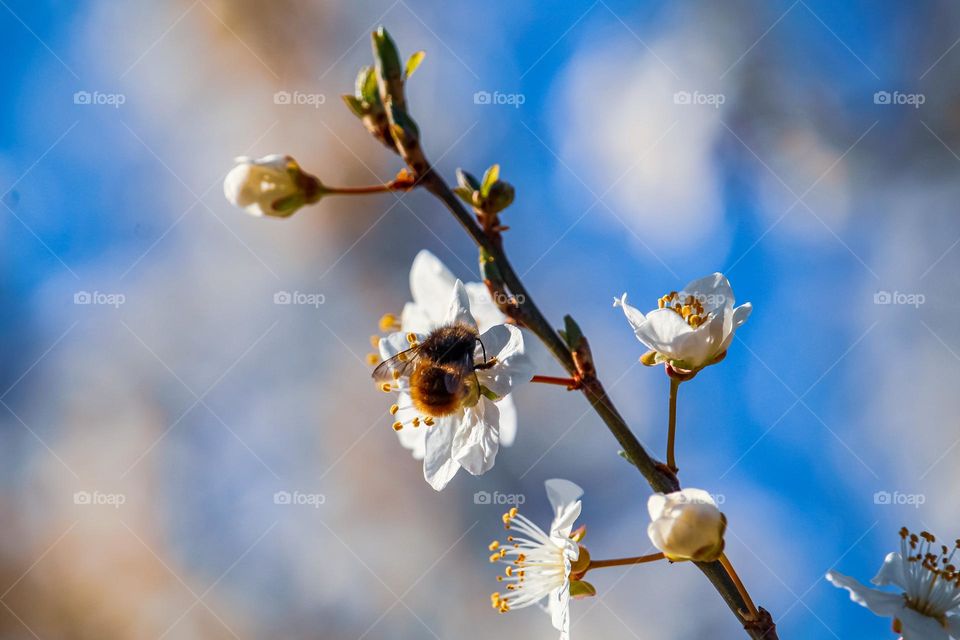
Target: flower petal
[
  {"x": 656, "y": 504},
  {"x": 412, "y": 438},
  {"x": 430, "y": 285},
  {"x": 458, "y": 310},
  {"x": 732, "y": 322},
  {"x": 661, "y": 329},
  {"x": 881, "y": 603},
  {"x": 508, "y": 421},
  {"x": 917, "y": 626},
  {"x": 392, "y": 344},
  {"x": 513, "y": 367},
  {"x": 484, "y": 311},
  {"x": 953, "y": 625},
  {"x": 477, "y": 438},
  {"x": 713, "y": 292},
  {"x": 634, "y": 316},
  {"x": 414, "y": 317},
  {"x": 562, "y": 493},
  {"x": 439, "y": 467},
  {"x": 564, "y": 497},
  {"x": 558, "y": 605},
  {"x": 891, "y": 573}
]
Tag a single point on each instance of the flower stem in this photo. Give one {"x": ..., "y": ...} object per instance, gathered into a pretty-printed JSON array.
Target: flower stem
[
  {"x": 374, "y": 188},
  {"x": 752, "y": 613},
  {"x": 619, "y": 562},
  {"x": 672, "y": 429},
  {"x": 569, "y": 383}
]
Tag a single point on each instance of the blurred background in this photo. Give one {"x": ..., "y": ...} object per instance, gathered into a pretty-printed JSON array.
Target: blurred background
[{"x": 154, "y": 399}]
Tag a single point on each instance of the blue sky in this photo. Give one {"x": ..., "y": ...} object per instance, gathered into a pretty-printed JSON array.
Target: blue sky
[{"x": 781, "y": 421}]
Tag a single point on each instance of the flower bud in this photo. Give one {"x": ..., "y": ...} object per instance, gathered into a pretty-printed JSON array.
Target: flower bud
[
  {"x": 274, "y": 185},
  {"x": 686, "y": 525}
]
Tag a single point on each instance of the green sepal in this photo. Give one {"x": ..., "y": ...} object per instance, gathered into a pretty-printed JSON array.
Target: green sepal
[
  {"x": 582, "y": 589},
  {"x": 354, "y": 104}
]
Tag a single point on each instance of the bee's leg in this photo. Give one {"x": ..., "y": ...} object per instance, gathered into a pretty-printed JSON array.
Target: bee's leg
[{"x": 486, "y": 365}]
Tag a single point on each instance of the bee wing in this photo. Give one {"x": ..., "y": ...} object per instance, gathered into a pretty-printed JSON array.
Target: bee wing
[
  {"x": 398, "y": 366},
  {"x": 456, "y": 373}
]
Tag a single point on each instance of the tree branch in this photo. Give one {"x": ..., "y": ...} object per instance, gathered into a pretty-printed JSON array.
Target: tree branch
[{"x": 656, "y": 474}]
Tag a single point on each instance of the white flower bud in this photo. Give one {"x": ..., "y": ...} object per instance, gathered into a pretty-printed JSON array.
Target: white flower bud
[
  {"x": 274, "y": 185},
  {"x": 686, "y": 525}
]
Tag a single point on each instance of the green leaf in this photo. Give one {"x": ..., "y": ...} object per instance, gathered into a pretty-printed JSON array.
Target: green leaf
[
  {"x": 367, "y": 89},
  {"x": 489, "y": 177},
  {"x": 465, "y": 179},
  {"x": 413, "y": 62},
  {"x": 572, "y": 333},
  {"x": 354, "y": 104},
  {"x": 386, "y": 55},
  {"x": 465, "y": 194}
]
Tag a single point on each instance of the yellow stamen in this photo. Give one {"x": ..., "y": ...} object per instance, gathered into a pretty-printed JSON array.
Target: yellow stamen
[
  {"x": 412, "y": 338},
  {"x": 493, "y": 545},
  {"x": 386, "y": 387},
  {"x": 389, "y": 322},
  {"x": 397, "y": 425},
  {"x": 373, "y": 359},
  {"x": 394, "y": 408}
]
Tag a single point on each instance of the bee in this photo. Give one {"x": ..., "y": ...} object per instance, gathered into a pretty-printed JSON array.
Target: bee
[{"x": 441, "y": 370}]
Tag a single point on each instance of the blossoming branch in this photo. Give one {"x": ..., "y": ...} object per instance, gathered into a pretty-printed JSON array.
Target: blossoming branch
[{"x": 452, "y": 357}]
